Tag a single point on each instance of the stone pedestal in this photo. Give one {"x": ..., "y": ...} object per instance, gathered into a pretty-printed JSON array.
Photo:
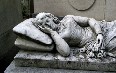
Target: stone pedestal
[
  {"x": 41, "y": 62},
  {"x": 14, "y": 69},
  {"x": 49, "y": 60}
]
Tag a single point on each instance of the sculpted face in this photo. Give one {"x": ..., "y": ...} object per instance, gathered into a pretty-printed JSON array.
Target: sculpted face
[{"x": 48, "y": 20}]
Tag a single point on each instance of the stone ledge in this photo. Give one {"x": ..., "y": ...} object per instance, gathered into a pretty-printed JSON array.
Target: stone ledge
[
  {"x": 49, "y": 60},
  {"x": 13, "y": 69}
]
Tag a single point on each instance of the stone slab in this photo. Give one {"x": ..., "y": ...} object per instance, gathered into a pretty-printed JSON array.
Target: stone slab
[
  {"x": 63, "y": 7},
  {"x": 13, "y": 69},
  {"x": 49, "y": 60}
]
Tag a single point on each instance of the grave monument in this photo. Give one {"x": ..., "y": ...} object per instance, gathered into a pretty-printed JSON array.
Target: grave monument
[
  {"x": 74, "y": 42},
  {"x": 79, "y": 42}
]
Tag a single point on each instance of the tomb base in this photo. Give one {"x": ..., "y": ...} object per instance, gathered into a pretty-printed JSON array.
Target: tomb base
[
  {"x": 47, "y": 62},
  {"x": 55, "y": 60},
  {"x": 14, "y": 69}
]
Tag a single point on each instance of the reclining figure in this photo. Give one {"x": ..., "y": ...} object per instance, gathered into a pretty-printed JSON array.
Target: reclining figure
[{"x": 96, "y": 38}]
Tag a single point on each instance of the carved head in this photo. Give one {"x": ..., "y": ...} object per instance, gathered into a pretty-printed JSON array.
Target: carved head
[{"x": 48, "y": 20}]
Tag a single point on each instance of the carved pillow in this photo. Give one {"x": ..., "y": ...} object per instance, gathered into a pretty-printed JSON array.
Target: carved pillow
[{"x": 26, "y": 28}]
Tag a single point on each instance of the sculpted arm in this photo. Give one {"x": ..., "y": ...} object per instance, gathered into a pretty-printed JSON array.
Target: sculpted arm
[
  {"x": 61, "y": 46},
  {"x": 96, "y": 27},
  {"x": 84, "y": 21}
]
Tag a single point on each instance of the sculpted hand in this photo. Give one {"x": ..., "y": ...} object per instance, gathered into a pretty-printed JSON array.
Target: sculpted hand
[
  {"x": 46, "y": 29},
  {"x": 99, "y": 40}
]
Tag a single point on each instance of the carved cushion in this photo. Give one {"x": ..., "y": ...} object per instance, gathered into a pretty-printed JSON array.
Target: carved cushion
[
  {"x": 26, "y": 44},
  {"x": 26, "y": 28}
]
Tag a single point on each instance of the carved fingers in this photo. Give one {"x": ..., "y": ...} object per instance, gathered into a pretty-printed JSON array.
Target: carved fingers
[
  {"x": 45, "y": 29},
  {"x": 99, "y": 40}
]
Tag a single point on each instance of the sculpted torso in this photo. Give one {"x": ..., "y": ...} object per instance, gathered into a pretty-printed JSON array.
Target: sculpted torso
[
  {"x": 74, "y": 34},
  {"x": 76, "y": 31},
  {"x": 78, "y": 34}
]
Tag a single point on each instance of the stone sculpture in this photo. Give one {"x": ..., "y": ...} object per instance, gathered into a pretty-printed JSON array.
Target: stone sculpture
[{"x": 95, "y": 39}]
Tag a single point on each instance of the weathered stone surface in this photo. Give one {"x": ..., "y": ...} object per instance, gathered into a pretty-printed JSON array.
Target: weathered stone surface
[
  {"x": 101, "y": 9},
  {"x": 62, "y": 8},
  {"x": 30, "y": 45},
  {"x": 49, "y": 60},
  {"x": 28, "y": 29},
  {"x": 82, "y": 5},
  {"x": 110, "y": 11},
  {"x": 14, "y": 69}
]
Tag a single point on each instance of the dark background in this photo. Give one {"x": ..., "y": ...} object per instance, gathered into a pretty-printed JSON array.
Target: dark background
[{"x": 12, "y": 12}]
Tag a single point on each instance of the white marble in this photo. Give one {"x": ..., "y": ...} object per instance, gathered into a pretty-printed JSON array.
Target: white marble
[
  {"x": 28, "y": 29},
  {"x": 30, "y": 45}
]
